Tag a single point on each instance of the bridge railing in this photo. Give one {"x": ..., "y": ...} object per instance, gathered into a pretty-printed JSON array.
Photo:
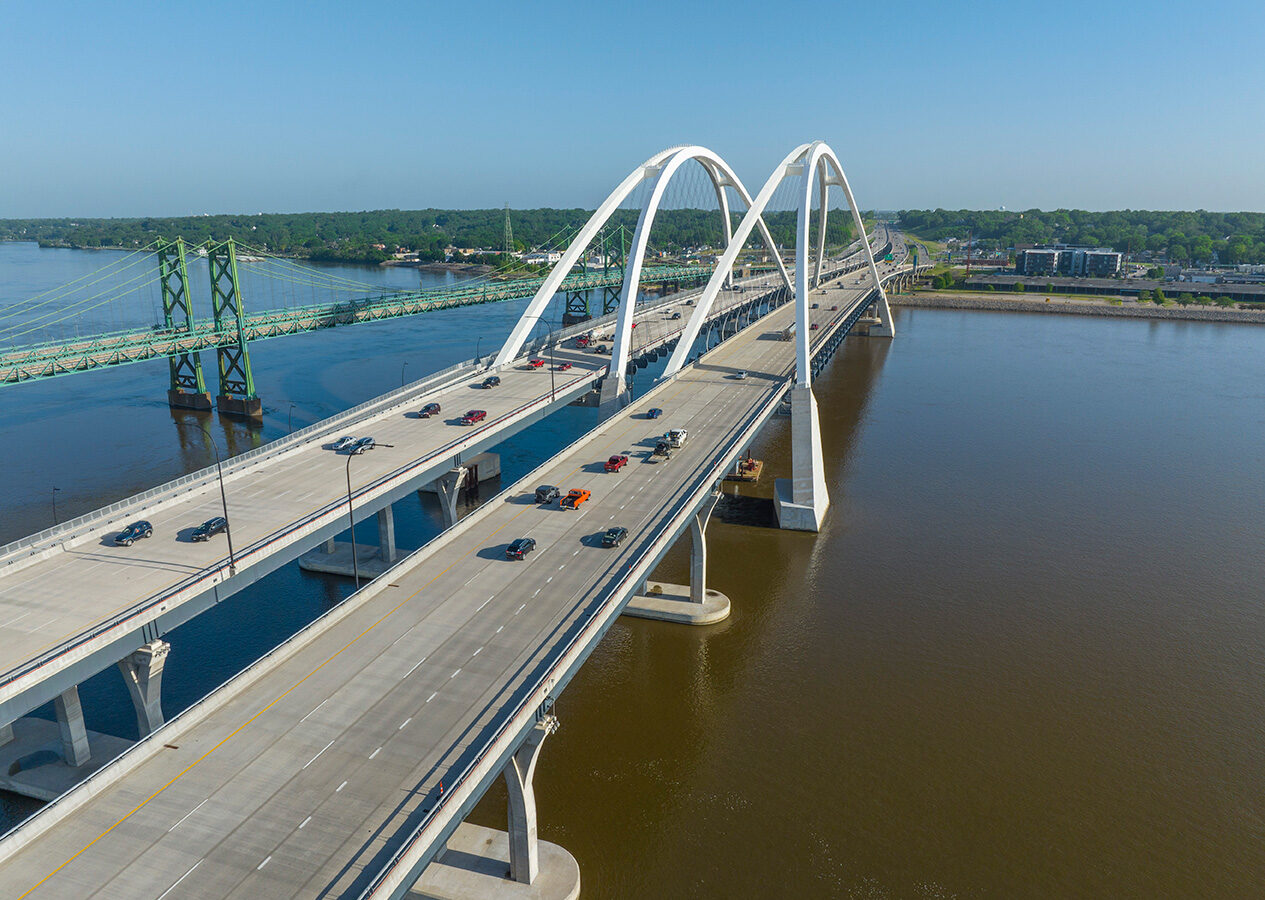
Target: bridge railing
[
  {"x": 389, "y": 878},
  {"x": 36, "y": 545}
]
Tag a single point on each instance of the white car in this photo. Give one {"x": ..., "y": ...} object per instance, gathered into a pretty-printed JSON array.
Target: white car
[
  {"x": 344, "y": 443},
  {"x": 741, "y": 376}
]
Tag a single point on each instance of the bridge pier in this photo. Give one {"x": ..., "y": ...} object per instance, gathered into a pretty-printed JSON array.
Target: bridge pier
[
  {"x": 691, "y": 604},
  {"x": 521, "y": 804},
  {"x": 71, "y": 727},
  {"x": 477, "y": 863},
  {"x": 143, "y": 675},
  {"x": 802, "y": 500},
  {"x": 449, "y": 487},
  {"x": 334, "y": 557}
]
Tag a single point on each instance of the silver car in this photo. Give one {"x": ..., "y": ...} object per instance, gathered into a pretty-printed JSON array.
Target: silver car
[
  {"x": 365, "y": 443},
  {"x": 344, "y": 443}
]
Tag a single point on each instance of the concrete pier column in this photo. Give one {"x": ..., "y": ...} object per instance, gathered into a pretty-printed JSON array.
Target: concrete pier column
[
  {"x": 801, "y": 502},
  {"x": 328, "y": 546},
  {"x": 6, "y": 734},
  {"x": 883, "y": 312},
  {"x": 449, "y": 486},
  {"x": 74, "y": 734},
  {"x": 143, "y": 675},
  {"x": 524, "y": 851},
  {"x": 691, "y": 604},
  {"x": 698, "y": 550},
  {"x": 386, "y": 536}
]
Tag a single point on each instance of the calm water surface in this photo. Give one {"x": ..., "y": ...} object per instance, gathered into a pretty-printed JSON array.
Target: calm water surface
[{"x": 1024, "y": 658}]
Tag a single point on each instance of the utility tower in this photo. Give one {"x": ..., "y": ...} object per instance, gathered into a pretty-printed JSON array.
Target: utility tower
[{"x": 509, "y": 231}]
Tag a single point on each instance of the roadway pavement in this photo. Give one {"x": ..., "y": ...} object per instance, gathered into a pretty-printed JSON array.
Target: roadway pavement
[
  {"x": 274, "y": 506},
  {"x": 303, "y": 782}
]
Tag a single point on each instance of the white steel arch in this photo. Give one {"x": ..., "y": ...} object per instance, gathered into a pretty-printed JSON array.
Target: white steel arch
[
  {"x": 810, "y": 162},
  {"x": 660, "y": 167}
]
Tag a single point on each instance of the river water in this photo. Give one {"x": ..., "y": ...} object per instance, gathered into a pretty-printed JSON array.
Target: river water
[{"x": 1025, "y": 657}]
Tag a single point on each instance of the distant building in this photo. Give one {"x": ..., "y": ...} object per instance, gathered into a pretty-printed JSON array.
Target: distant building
[
  {"x": 1072, "y": 261},
  {"x": 1037, "y": 262}
]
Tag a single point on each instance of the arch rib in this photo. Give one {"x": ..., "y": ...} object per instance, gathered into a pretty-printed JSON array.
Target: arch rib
[{"x": 809, "y": 162}]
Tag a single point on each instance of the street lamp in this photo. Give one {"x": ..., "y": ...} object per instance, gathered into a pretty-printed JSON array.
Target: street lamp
[
  {"x": 290, "y": 420},
  {"x": 55, "y": 490},
  {"x": 219, "y": 470},
  {"x": 355, "y": 566},
  {"x": 477, "y": 356},
  {"x": 548, "y": 333},
  {"x": 402, "y": 368}
]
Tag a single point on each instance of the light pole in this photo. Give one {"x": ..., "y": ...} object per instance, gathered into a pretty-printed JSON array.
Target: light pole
[
  {"x": 477, "y": 357},
  {"x": 402, "y": 368},
  {"x": 219, "y": 470},
  {"x": 355, "y": 566},
  {"x": 55, "y": 490},
  {"x": 548, "y": 332},
  {"x": 290, "y": 420}
]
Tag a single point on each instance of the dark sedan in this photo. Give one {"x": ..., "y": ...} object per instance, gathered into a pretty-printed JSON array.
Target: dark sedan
[
  {"x": 210, "y": 528},
  {"x": 430, "y": 409},
  {"x": 614, "y": 536},
  {"x": 520, "y": 548},
  {"x": 133, "y": 532}
]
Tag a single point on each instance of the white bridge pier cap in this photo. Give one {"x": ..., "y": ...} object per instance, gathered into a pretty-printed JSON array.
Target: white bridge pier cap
[
  {"x": 660, "y": 167},
  {"x": 814, "y": 161}
]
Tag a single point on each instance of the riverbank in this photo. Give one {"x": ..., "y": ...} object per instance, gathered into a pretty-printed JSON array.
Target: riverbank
[{"x": 1082, "y": 307}]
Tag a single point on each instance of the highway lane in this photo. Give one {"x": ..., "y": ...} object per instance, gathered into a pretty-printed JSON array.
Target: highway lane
[
  {"x": 298, "y": 783},
  {"x": 272, "y": 505}
]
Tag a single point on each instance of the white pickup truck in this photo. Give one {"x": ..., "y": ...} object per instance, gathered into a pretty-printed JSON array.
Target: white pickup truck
[{"x": 676, "y": 437}]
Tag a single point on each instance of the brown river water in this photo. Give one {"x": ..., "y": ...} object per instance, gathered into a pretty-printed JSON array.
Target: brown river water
[{"x": 1025, "y": 657}]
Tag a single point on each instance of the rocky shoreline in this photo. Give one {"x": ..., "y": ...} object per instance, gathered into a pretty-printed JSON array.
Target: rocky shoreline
[{"x": 1126, "y": 310}]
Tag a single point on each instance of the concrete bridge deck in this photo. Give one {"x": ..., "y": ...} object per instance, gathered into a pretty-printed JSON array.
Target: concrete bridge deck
[
  {"x": 76, "y": 603},
  {"x": 307, "y": 781}
]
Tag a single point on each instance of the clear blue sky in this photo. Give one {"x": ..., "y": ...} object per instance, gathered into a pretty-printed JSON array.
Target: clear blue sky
[{"x": 177, "y": 108}]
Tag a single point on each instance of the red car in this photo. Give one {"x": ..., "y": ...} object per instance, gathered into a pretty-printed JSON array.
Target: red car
[
  {"x": 615, "y": 463},
  {"x": 814, "y": 328},
  {"x": 535, "y": 363},
  {"x": 562, "y": 367},
  {"x": 582, "y": 341},
  {"x": 474, "y": 415}
]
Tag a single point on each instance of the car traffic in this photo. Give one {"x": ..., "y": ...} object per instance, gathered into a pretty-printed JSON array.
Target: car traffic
[
  {"x": 209, "y": 529},
  {"x": 134, "y": 532},
  {"x": 615, "y": 463}
]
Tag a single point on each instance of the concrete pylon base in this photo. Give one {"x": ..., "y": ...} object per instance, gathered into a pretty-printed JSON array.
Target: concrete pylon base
[
  {"x": 793, "y": 516},
  {"x": 189, "y": 400},
  {"x": 339, "y": 562},
  {"x": 246, "y": 407},
  {"x": 674, "y": 605},
  {"x": 32, "y": 764},
  {"x": 476, "y": 867}
]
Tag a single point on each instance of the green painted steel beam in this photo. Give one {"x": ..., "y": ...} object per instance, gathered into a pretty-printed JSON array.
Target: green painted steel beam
[{"x": 234, "y": 328}]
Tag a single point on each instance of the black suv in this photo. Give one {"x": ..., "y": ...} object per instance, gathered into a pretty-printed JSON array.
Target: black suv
[
  {"x": 492, "y": 381},
  {"x": 547, "y": 493},
  {"x": 133, "y": 532},
  {"x": 210, "y": 528},
  {"x": 520, "y": 548},
  {"x": 614, "y": 536}
]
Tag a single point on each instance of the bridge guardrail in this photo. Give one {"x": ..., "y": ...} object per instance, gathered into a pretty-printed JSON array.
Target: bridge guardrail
[
  {"x": 135, "y": 755},
  {"x": 386, "y": 880},
  {"x": 81, "y": 526}
]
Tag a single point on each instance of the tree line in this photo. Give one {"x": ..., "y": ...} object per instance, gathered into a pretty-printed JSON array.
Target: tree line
[
  {"x": 351, "y": 236},
  {"x": 1185, "y": 237}
]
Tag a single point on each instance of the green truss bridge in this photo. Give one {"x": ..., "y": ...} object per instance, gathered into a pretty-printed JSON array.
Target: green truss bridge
[{"x": 182, "y": 336}]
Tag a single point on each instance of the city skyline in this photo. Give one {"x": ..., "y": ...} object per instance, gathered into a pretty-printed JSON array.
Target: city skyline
[{"x": 242, "y": 109}]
